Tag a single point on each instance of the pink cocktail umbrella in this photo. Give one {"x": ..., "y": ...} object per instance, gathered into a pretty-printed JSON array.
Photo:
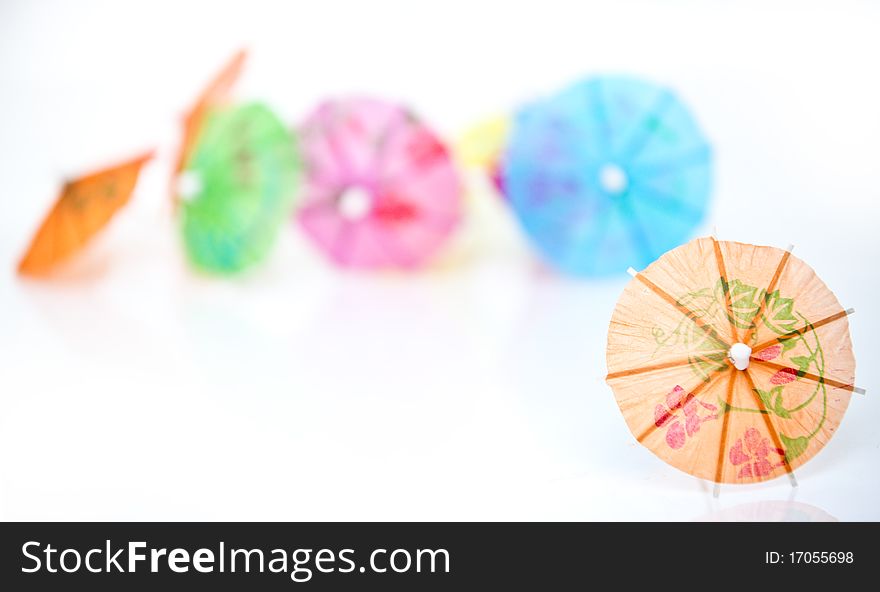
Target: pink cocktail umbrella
[{"x": 380, "y": 187}]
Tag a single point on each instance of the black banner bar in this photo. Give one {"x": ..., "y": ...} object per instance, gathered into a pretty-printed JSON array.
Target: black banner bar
[{"x": 333, "y": 556}]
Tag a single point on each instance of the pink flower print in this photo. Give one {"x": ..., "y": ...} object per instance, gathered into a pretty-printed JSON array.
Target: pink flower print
[
  {"x": 391, "y": 208},
  {"x": 754, "y": 459},
  {"x": 424, "y": 149},
  {"x": 768, "y": 353},
  {"x": 784, "y": 376},
  {"x": 677, "y": 399}
]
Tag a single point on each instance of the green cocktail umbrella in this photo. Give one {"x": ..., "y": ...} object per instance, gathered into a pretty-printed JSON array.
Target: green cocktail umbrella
[{"x": 237, "y": 188}]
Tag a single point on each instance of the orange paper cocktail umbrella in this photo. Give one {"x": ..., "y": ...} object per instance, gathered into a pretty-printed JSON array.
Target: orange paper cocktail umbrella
[
  {"x": 730, "y": 361},
  {"x": 83, "y": 208}
]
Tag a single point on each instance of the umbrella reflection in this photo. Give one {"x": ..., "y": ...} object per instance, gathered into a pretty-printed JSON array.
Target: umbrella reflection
[{"x": 769, "y": 511}]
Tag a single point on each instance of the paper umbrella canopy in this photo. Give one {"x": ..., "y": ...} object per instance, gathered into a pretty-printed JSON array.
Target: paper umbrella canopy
[
  {"x": 380, "y": 187},
  {"x": 731, "y": 362},
  {"x": 609, "y": 172},
  {"x": 83, "y": 209}
]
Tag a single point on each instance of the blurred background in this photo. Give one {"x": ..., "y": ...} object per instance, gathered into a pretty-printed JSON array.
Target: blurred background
[{"x": 132, "y": 388}]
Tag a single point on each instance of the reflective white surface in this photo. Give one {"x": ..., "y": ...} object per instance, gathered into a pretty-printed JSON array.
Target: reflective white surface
[{"x": 135, "y": 389}]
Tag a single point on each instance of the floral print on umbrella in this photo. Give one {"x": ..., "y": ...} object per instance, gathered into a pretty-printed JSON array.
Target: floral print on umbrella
[
  {"x": 752, "y": 454},
  {"x": 677, "y": 399}
]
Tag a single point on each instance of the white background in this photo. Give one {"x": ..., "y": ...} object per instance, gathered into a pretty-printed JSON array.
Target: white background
[{"x": 132, "y": 388}]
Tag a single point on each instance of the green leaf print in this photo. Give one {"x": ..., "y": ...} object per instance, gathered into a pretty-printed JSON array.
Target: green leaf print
[
  {"x": 773, "y": 401},
  {"x": 766, "y": 397},
  {"x": 794, "y": 447},
  {"x": 778, "y": 408},
  {"x": 705, "y": 365},
  {"x": 789, "y": 343},
  {"x": 744, "y": 301},
  {"x": 778, "y": 314},
  {"x": 802, "y": 363}
]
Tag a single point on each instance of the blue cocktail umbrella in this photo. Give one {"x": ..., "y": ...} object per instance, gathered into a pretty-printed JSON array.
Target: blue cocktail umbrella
[{"x": 610, "y": 173}]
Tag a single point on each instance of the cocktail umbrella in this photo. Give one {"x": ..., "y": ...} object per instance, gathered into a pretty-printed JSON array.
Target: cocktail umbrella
[
  {"x": 244, "y": 172},
  {"x": 216, "y": 95},
  {"x": 608, "y": 173},
  {"x": 380, "y": 186},
  {"x": 730, "y": 361},
  {"x": 481, "y": 146},
  {"x": 83, "y": 208}
]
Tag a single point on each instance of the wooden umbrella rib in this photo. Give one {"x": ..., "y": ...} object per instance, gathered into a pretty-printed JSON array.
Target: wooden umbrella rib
[
  {"x": 722, "y": 271},
  {"x": 681, "y": 307},
  {"x": 805, "y": 329},
  {"x": 763, "y": 304},
  {"x": 695, "y": 391},
  {"x": 646, "y": 369},
  {"x": 725, "y": 424},
  {"x": 815, "y": 378},
  {"x": 771, "y": 429}
]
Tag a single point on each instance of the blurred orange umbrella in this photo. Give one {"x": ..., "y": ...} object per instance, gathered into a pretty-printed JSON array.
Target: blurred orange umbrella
[
  {"x": 215, "y": 95},
  {"x": 730, "y": 361},
  {"x": 84, "y": 207}
]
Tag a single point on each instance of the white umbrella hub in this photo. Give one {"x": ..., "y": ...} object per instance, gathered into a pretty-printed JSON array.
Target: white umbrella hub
[
  {"x": 354, "y": 203},
  {"x": 613, "y": 179},
  {"x": 739, "y": 354}
]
